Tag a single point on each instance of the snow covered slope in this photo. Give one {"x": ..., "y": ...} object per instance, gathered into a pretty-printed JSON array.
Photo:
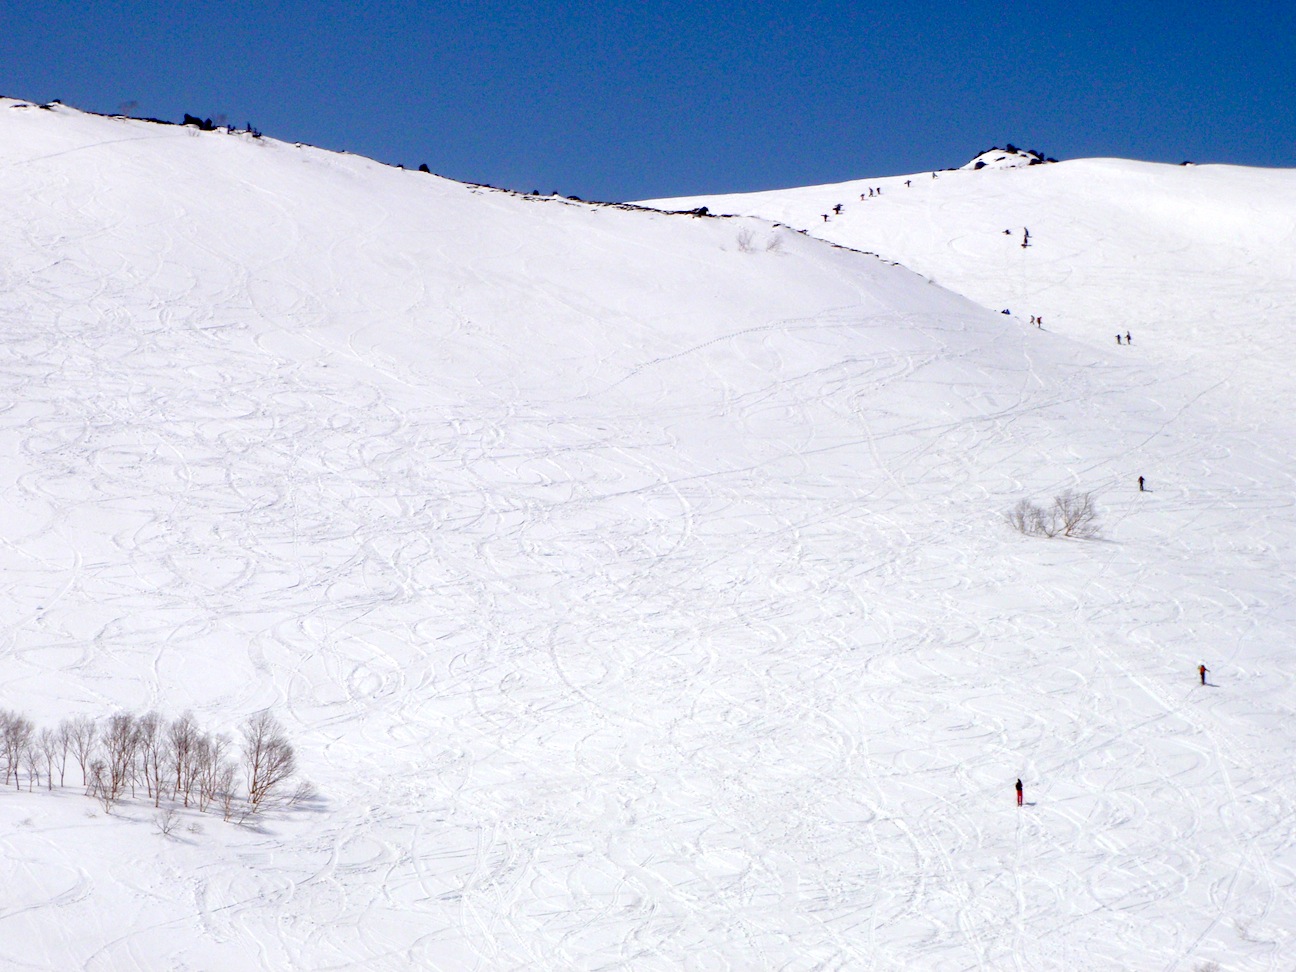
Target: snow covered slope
[
  {"x": 635, "y": 588},
  {"x": 1197, "y": 263}
]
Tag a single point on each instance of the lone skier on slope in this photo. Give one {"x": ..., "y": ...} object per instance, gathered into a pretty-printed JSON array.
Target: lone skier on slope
[
  {"x": 1202, "y": 670},
  {"x": 1019, "y": 793}
]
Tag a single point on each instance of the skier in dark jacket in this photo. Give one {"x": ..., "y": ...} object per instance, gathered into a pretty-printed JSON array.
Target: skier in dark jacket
[{"x": 1019, "y": 793}]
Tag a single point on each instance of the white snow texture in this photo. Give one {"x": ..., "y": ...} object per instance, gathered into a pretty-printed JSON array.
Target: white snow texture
[{"x": 637, "y": 589}]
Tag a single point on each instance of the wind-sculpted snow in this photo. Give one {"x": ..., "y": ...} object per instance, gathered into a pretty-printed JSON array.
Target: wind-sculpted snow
[{"x": 635, "y": 589}]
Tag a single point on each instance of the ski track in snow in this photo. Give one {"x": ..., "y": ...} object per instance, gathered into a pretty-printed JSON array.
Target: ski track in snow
[{"x": 617, "y": 635}]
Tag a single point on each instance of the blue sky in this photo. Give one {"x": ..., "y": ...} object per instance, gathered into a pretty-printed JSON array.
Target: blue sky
[{"x": 635, "y": 100}]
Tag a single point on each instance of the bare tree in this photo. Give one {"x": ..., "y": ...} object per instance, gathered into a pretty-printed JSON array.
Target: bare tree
[
  {"x": 213, "y": 768},
  {"x": 32, "y": 758},
  {"x": 1077, "y": 514},
  {"x": 83, "y": 733},
  {"x": 225, "y": 788},
  {"x": 64, "y": 737},
  {"x": 6, "y": 720},
  {"x": 1029, "y": 518},
  {"x": 99, "y": 786},
  {"x": 268, "y": 757},
  {"x": 47, "y": 745},
  {"x": 153, "y": 758},
  {"x": 183, "y": 737},
  {"x": 120, "y": 741},
  {"x": 15, "y": 737}
]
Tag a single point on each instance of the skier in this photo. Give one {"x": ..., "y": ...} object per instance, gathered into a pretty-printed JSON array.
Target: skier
[
  {"x": 1128, "y": 339},
  {"x": 1202, "y": 670},
  {"x": 908, "y": 183},
  {"x": 1118, "y": 339},
  {"x": 837, "y": 209},
  {"x": 1141, "y": 484},
  {"x": 1019, "y": 793}
]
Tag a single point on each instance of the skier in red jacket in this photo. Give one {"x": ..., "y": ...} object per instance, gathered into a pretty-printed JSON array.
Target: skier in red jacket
[{"x": 1019, "y": 793}]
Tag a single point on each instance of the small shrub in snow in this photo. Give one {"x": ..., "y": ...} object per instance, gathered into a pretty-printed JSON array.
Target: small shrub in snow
[
  {"x": 1071, "y": 514},
  {"x": 166, "y": 821}
]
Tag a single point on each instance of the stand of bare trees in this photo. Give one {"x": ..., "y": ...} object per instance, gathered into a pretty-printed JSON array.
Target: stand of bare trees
[{"x": 174, "y": 761}]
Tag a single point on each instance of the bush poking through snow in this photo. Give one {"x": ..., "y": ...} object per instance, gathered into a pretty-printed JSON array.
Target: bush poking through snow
[
  {"x": 1070, "y": 515},
  {"x": 747, "y": 242},
  {"x": 166, "y": 821}
]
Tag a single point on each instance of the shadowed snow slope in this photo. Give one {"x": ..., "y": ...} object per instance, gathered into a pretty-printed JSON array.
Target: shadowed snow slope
[{"x": 635, "y": 588}]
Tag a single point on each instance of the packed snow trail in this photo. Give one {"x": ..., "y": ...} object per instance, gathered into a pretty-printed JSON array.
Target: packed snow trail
[{"x": 635, "y": 596}]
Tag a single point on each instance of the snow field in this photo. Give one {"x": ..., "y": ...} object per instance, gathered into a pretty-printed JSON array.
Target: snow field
[{"x": 634, "y": 601}]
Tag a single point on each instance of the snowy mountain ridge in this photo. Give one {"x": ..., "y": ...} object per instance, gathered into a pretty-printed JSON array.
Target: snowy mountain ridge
[{"x": 638, "y": 590}]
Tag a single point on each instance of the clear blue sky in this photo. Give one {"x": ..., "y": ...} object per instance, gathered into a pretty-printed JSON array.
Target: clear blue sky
[{"x": 626, "y": 100}]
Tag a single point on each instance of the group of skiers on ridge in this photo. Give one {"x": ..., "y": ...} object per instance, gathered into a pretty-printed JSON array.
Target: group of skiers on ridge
[{"x": 872, "y": 191}]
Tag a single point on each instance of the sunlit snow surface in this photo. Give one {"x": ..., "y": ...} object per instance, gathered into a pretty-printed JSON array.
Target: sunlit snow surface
[{"x": 636, "y": 588}]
